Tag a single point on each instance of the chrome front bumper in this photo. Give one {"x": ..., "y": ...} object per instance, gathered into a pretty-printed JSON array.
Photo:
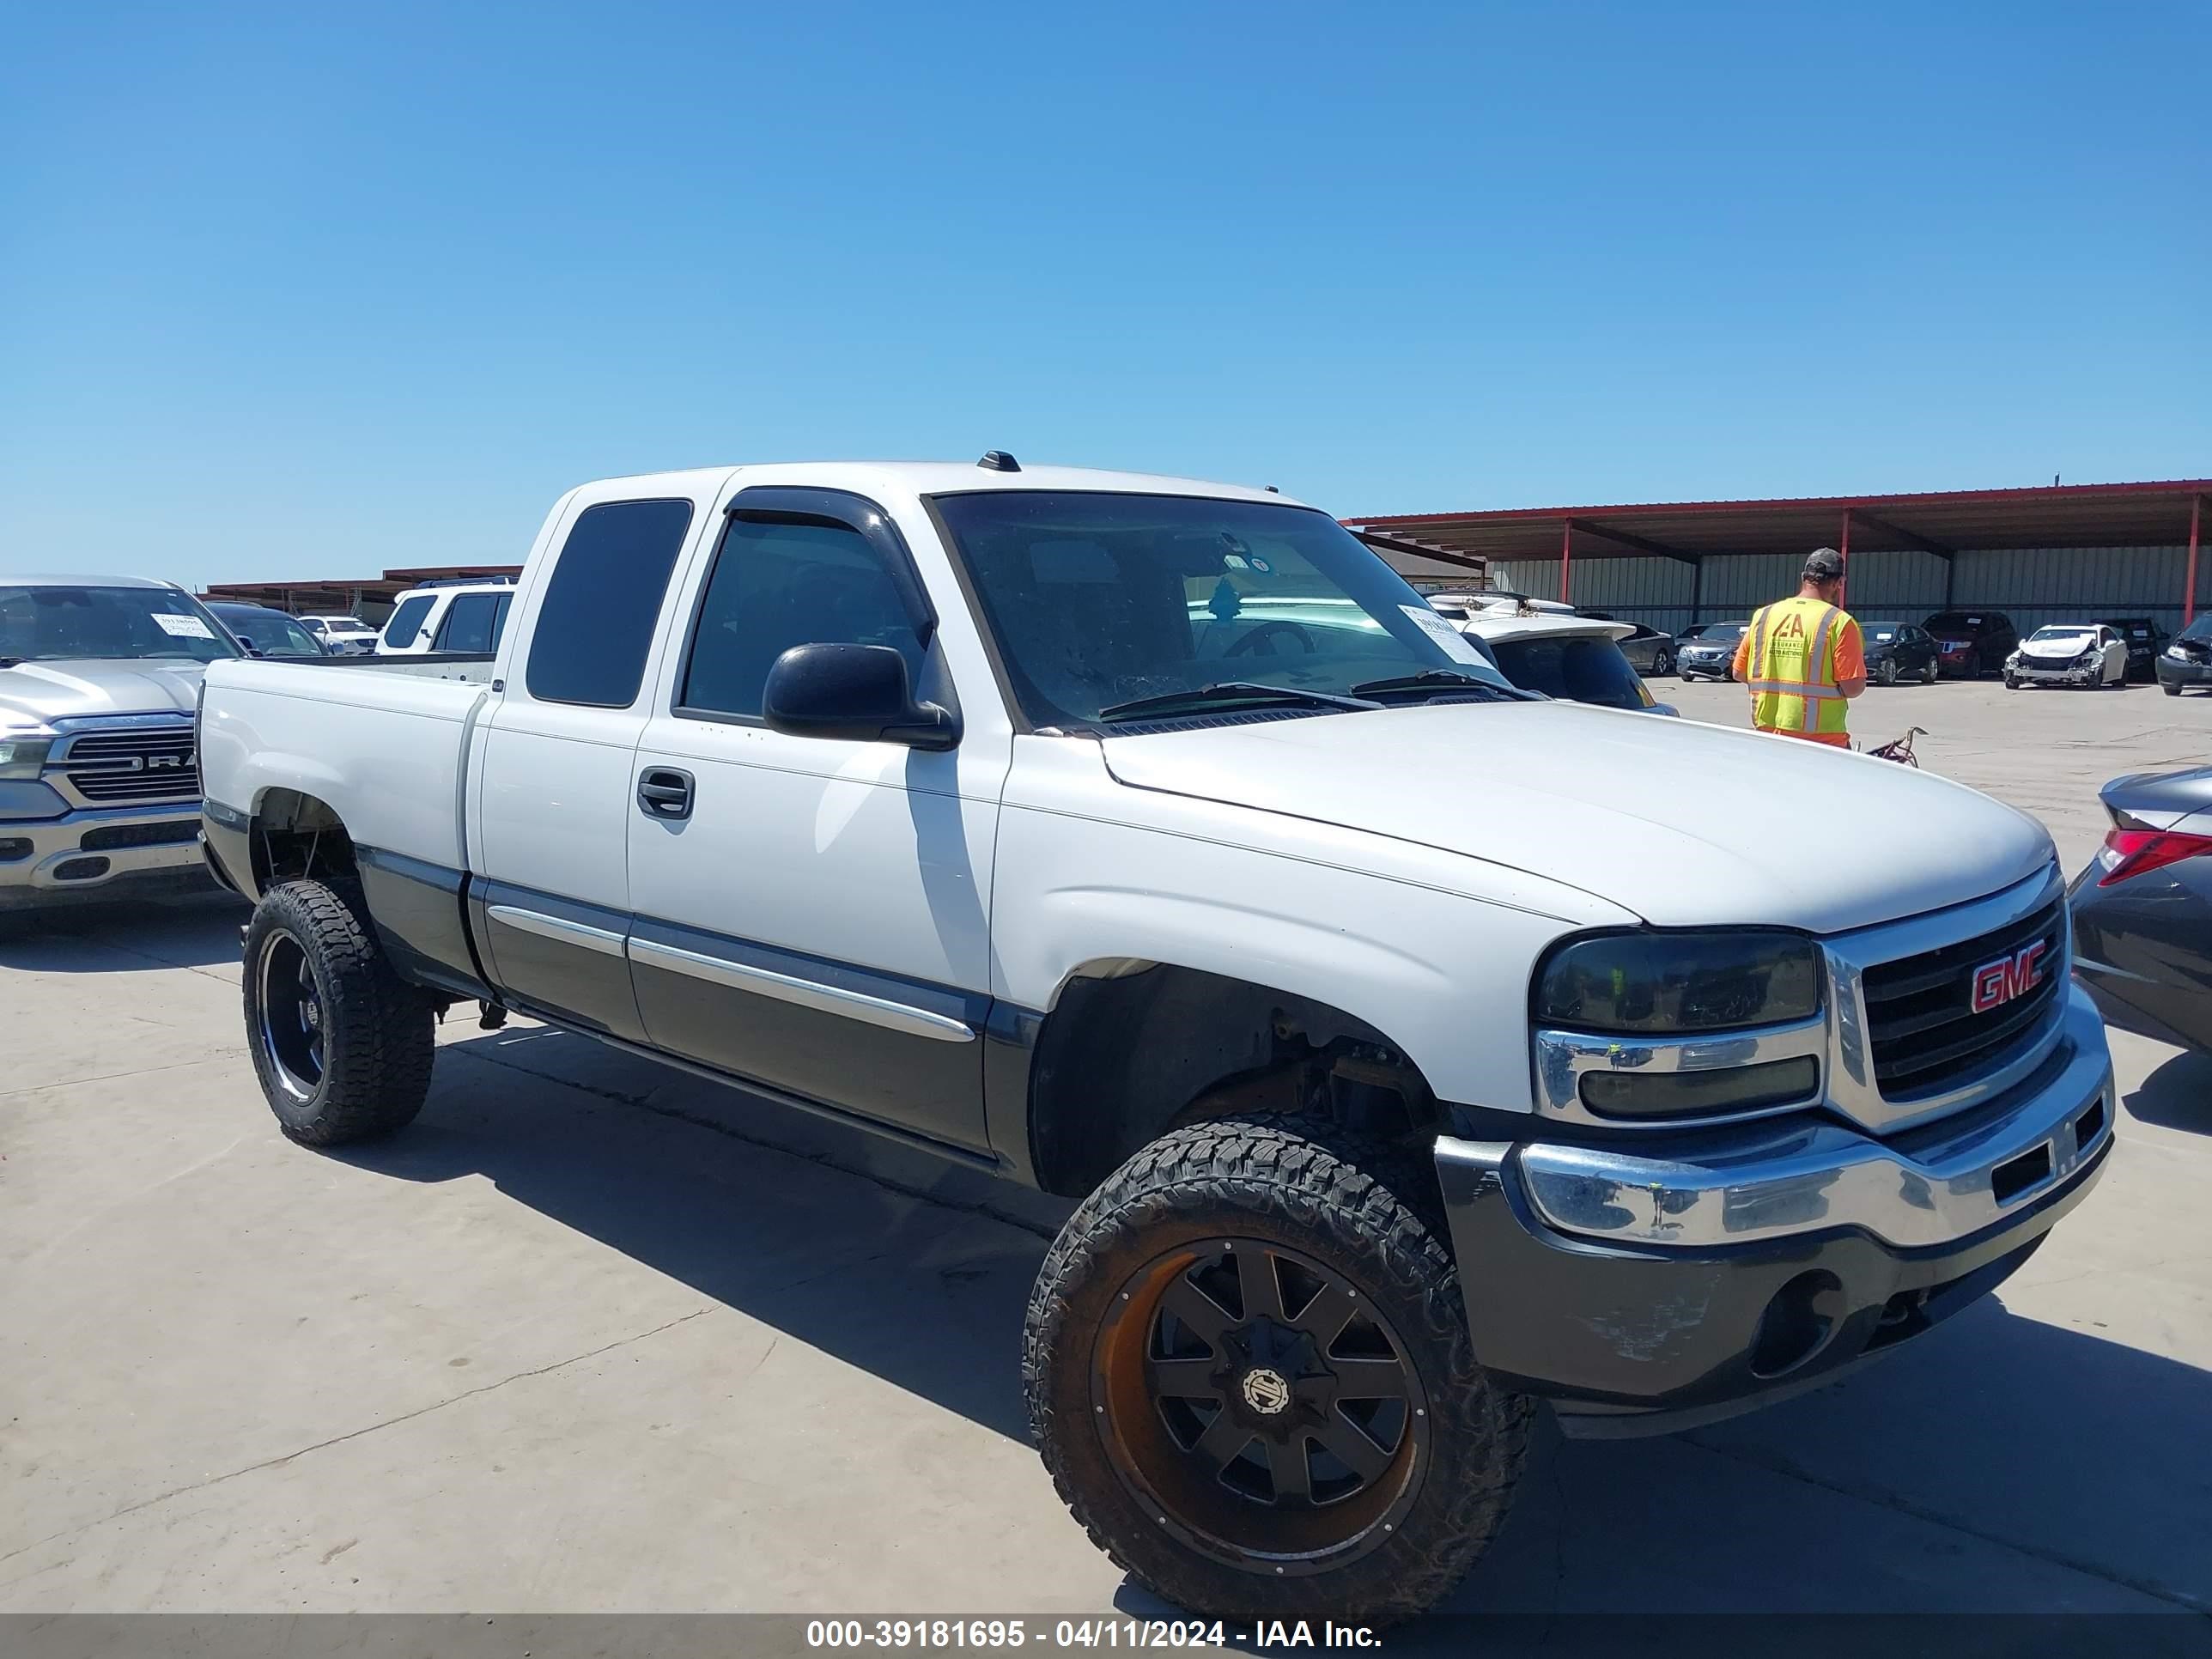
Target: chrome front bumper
[
  {"x": 1643, "y": 1283},
  {"x": 1922, "y": 1188},
  {"x": 46, "y": 870}
]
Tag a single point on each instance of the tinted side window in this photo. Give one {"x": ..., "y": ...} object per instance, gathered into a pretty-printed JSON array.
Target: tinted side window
[
  {"x": 407, "y": 621},
  {"x": 294, "y": 639},
  {"x": 774, "y": 585},
  {"x": 1579, "y": 669},
  {"x": 595, "y": 622},
  {"x": 470, "y": 623}
]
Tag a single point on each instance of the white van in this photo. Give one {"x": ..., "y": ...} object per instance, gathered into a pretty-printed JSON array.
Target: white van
[{"x": 461, "y": 615}]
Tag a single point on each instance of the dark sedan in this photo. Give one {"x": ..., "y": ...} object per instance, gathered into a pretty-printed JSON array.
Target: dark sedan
[
  {"x": 1972, "y": 642},
  {"x": 2187, "y": 659},
  {"x": 2144, "y": 639},
  {"x": 266, "y": 633},
  {"x": 2142, "y": 910},
  {"x": 1898, "y": 651},
  {"x": 1707, "y": 650}
]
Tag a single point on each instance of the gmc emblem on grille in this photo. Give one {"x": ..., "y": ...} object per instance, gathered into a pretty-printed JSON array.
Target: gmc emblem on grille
[{"x": 1998, "y": 983}]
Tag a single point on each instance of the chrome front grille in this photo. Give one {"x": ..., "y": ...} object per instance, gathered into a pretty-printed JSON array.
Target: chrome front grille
[
  {"x": 151, "y": 762},
  {"x": 1923, "y": 1027}
]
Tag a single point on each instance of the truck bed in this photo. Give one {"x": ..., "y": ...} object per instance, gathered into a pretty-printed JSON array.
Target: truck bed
[{"x": 367, "y": 734}]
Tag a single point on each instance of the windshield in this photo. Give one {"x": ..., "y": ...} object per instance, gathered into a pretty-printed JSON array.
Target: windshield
[
  {"x": 1579, "y": 668},
  {"x": 1096, "y": 599},
  {"x": 2199, "y": 629},
  {"x": 1719, "y": 632},
  {"x": 2076, "y": 635},
  {"x": 1880, "y": 633},
  {"x": 51, "y": 623},
  {"x": 1954, "y": 622}
]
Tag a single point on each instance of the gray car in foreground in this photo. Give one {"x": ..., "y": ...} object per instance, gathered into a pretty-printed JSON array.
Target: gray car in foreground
[
  {"x": 99, "y": 789},
  {"x": 2142, "y": 910}
]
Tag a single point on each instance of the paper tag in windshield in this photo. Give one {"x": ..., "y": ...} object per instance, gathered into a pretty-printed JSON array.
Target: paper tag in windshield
[
  {"x": 182, "y": 628},
  {"x": 1454, "y": 642}
]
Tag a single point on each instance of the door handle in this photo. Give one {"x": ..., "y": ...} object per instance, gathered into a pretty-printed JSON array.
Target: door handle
[{"x": 665, "y": 793}]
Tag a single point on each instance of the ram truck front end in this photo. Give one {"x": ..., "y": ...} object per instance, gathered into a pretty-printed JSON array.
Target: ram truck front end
[{"x": 98, "y": 767}]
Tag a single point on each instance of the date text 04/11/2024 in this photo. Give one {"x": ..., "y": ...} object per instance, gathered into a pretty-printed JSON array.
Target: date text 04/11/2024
[{"x": 1009, "y": 1633}]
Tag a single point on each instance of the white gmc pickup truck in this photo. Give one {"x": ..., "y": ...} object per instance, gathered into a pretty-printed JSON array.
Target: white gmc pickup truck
[{"x": 1088, "y": 828}]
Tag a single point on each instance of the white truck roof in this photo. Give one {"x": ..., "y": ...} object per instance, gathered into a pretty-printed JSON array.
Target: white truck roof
[{"x": 947, "y": 477}]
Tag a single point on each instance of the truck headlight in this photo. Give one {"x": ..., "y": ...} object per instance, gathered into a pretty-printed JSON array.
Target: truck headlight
[
  {"x": 1645, "y": 984},
  {"x": 23, "y": 750}
]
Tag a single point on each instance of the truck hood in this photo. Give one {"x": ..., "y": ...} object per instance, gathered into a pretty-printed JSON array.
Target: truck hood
[
  {"x": 51, "y": 690},
  {"x": 1683, "y": 824}
]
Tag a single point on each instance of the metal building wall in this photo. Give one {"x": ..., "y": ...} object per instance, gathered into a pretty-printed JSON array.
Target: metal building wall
[
  {"x": 2032, "y": 586},
  {"x": 2040, "y": 584}
]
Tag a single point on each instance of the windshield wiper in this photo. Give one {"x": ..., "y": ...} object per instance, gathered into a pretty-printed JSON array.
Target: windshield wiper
[
  {"x": 1437, "y": 680},
  {"x": 1231, "y": 691}
]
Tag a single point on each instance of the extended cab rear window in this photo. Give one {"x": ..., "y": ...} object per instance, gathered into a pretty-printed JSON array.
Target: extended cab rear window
[{"x": 595, "y": 623}]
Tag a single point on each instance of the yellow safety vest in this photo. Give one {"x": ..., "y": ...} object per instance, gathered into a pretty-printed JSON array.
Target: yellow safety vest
[{"x": 1792, "y": 671}]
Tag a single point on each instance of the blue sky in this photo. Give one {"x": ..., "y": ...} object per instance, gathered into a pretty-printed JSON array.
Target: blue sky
[{"x": 312, "y": 291}]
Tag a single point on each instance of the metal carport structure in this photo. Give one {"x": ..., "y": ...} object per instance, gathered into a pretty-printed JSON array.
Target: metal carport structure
[{"x": 2129, "y": 547}]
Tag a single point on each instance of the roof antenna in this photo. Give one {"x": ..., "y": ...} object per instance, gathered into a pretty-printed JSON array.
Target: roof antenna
[
  {"x": 1271, "y": 490},
  {"x": 999, "y": 461}
]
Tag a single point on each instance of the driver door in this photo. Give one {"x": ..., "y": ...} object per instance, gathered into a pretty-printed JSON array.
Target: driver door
[{"x": 811, "y": 913}]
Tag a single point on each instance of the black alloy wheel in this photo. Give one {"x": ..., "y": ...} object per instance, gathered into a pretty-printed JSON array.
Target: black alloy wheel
[
  {"x": 1250, "y": 1393},
  {"x": 1249, "y": 1373},
  {"x": 341, "y": 1046},
  {"x": 291, "y": 1017}
]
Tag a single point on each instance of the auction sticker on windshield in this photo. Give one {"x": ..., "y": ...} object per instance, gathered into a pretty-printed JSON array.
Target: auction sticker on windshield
[
  {"x": 1454, "y": 642},
  {"x": 183, "y": 628}
]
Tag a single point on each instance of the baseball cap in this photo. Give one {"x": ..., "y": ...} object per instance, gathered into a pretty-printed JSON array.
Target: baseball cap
[{"x": 1824, "y": 564}]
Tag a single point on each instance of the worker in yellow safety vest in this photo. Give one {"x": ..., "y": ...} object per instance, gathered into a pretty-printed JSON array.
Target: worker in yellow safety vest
[{"x": 1804, "y": 659}]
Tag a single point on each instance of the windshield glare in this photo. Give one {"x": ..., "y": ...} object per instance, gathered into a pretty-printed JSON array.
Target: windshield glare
[
  {"x": 2064, "y": 633},
  {"x": 1096, "y": 599},
  {"x": 51, "y": 623}
]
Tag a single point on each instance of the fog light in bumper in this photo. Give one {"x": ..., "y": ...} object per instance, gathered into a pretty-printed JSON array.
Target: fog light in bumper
[{"x": 1689, "y": 1094}]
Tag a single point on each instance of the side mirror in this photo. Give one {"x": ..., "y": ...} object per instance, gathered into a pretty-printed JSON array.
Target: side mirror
[
  {"x": 246, "y": 642},
  {"x": 859, "y": 693}
]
